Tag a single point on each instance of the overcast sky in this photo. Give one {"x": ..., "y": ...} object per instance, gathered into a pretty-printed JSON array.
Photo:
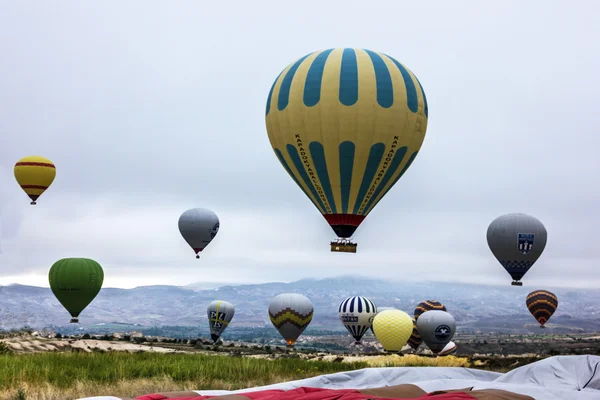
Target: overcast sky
[{"x": 149, "y": 108}]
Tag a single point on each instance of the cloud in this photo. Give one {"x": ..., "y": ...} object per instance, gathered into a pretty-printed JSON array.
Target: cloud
[{"x": 150, "y": 110}]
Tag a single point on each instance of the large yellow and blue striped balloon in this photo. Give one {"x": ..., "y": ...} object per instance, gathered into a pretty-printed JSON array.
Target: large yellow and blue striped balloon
[{"x": 346, "y": 124}]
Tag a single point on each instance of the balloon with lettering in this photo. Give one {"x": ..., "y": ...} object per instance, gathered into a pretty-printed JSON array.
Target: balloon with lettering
[
  {"x": 291, "y": 314},
  {"x": 34, "y": 174},
  {"x": 437, "y": 328},
  {"x": 75, "y": 282},
  {"x": 198, "y": 226},
  {"x": 427, "y": 305},
  {"x": 541, "y": 304},
  {"x": 346, "y": 124},
  {"x": 517, "y": 241},
  {"x": 219, "y": 313},
  {"x": 357, "y": 313}
]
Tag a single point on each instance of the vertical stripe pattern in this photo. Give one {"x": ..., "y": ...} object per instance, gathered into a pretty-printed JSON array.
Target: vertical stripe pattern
[
  {"x": 346, "y": 124},
  {"x": 357, "y": 313}
]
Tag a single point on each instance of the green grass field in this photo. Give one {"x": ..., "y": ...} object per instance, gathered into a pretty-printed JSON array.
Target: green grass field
[
  {"x": 74, "y": 374},
  {"x": 53, "y": 376}
]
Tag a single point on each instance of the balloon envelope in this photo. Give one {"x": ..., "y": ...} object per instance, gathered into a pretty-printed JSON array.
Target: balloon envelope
[
  {"x": 291, "y": 314},
  {"x": 436, "y": 329},
  {"x": 34, "y": 174},
  {"x": 198, "y": 226},
  {"x": 75, "y": 282},
  {"x": 346, "y": 124},
  {"x": 380, "y": 309},
  {"x": 415, "y": 339},
  {"x": 357, "y": 313},
  {"x": 219, "y": 313},
  {"x": 541, "y": 304},
  {"x": 517, "y": 241},
  {"x": 428, "y": 305},
  {"x": 392, "y": 329},
  {"x": 450, "y": 348}
]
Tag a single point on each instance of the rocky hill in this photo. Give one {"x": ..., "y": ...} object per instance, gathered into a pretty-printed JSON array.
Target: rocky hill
[{"x": 477, "y": 308}]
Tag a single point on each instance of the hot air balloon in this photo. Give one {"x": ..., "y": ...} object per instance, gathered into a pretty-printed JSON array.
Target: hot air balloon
[
  {"x": 436, "y": 328},
  {"x": 198, "y": 226},
  {"x": 219, "y": 313},
  {"x": 427, "y": 305},
  {"x": 392, "y": 329},
  {"x": 34, "y": 174},
  {"x": 346, "y": 124},
  {"x": 415, "y": 339},
  {"x": 380, "y": 309},
  {"x": 75, "y": 282},
  {"x": 357, "y": 313},
  {"x": 517, "y": 241},
  {"x": 290, "y": 313},
  {"x": 542, "y": 304},
  {"x": 450, "y": 348}
]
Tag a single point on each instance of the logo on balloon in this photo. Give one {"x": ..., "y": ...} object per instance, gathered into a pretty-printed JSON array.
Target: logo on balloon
[
  {"x": 525, "y": 242},
  {"x": 371, "y": 318},
  {"x": 442, "y": 332},
  {"x": 214, "y": 230}
]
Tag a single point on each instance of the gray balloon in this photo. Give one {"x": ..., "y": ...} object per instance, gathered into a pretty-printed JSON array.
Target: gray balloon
[
  {"x": 219, "y": 313},
  {"x": 291, "y": 314},
  {"x": 517, "y": 241},
  {"x": 198, "y": 226},
  {"x": 436, "y": 328}
]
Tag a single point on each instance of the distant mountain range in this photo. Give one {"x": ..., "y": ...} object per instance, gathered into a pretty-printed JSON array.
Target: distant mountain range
[{"x": 476, "y": 308}]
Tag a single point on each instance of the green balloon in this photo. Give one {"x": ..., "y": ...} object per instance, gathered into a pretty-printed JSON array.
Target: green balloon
[{"x": 75, "y": 282}]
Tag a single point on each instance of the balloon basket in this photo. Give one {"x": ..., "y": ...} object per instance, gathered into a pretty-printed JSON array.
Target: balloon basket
[
  {"x": 74, "y": 320},
  {"x": 343, "y": 246},
  {"x": 516, "y": 283}
]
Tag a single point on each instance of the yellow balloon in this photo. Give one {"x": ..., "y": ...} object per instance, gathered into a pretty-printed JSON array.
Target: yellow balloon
[
  {"x": 34, "y": 174},
  {"x": 392, "y": 329},
  {"x": 346, "y": 124}
]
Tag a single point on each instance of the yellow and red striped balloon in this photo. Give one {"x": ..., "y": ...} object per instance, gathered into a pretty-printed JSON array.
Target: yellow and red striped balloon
[
  {"x": 542, "y": 304},
  {"x": 34, "y": 174}
]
